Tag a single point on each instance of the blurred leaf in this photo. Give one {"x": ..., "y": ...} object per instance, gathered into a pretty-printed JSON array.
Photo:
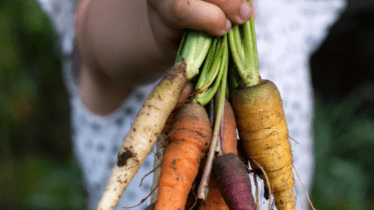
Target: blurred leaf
[
  {"x": 349, "y": 172},
  {"x": 322, "y": 147},
  {"x": 34, "y": 114},
  {"x": 33, "y": 18},
  {"x": 344, "y": 136},
  {"x": 361, "y": 134},
  {"x": 46, "y": 185}
]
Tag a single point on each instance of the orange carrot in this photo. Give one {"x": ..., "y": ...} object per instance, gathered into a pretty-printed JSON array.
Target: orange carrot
[
  {"x": 214, "y": 200},
  {"x": 161, "y": 143},
  {"x": 230, "y": 140},
  {"x": 189, "y": 138},
  {"x": 184, "y": 96}
]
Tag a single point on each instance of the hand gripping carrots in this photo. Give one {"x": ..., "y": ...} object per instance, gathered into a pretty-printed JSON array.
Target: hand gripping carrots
[{"x": 257, "y": 107}]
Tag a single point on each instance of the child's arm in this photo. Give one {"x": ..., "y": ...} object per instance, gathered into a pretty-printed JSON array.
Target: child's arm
[{"x": 124, "y": 43}]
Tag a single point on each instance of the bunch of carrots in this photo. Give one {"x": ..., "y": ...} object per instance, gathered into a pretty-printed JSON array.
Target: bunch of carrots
[{"x": 213, "y": 92}]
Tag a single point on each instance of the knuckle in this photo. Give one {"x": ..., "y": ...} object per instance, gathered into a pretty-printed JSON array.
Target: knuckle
[
  {"x": 232, "y": 9},
  {"x": 231, "y": 6},
  {"x": 216, "y": 27}
]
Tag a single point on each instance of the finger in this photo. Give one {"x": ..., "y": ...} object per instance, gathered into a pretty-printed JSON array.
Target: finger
[
  {"x": 165, "y": 35},
  {"x": 237, "y": 11},
  {"x": 198, "y": 15}
]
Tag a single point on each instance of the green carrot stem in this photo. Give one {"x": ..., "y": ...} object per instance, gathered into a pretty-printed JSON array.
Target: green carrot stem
[
  {"x": 212, "y": 53},
  {"x": 180, "y": 48},
  {"x": 233, "y": 78},
  {"x": 254, "y": 43},
  {"x": 206, "y": 96},
  {"x": 194, "y": 48},
  {"x": 221, "y": 62},
  {"x": 203, "y": 187},
  {"x": 211, "y": 67},
  {"x": 245, "y": 54},
  {"x": 219, "y": 146}
]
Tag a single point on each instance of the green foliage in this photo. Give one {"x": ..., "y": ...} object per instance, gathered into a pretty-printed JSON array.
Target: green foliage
[
  {"x": 36, "y": 168},
  {"x": 57, "y": 188},
  {"x": 344, "y": 145}
]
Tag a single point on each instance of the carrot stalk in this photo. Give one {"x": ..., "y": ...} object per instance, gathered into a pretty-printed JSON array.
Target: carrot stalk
[
  {"x": 210, "y": 61},
  {"x": 215, "y": 74},
  {"x": 203, "y": 187},
  {"x": 193, "y": 49},
  {"x": 245, "y": 57}
]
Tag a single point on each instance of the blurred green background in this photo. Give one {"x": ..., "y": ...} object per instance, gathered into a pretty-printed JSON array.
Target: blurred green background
[{"x": 37, "y": 170}]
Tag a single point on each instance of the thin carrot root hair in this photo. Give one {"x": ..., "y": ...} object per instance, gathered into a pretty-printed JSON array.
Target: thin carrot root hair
[
  {"x": 266, "y": 178},
  {"x": 157, "y": 162},
  {"x": 306, "y": 190},
  {"x": 143, "y": 200},
  {"x": 193, "y": 192},
  {"x": 153, "y": 170},
  {"x": 256, "y": 185}
]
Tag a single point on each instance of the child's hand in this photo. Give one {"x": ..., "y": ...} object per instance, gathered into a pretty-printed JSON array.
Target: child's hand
[
  {"x": 168, "y": 18},
  {"x": 124, "y": 43}
]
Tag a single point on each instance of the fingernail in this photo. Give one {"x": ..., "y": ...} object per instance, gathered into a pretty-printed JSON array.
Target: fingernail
[
  {"x": 227, "y": 25},
  {"x": 245, "y": 11}
]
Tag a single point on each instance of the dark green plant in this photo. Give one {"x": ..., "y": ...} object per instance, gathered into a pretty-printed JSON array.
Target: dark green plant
[
  {"x": 344, "y": 145},
  {"x": 35, "y": 150}
]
